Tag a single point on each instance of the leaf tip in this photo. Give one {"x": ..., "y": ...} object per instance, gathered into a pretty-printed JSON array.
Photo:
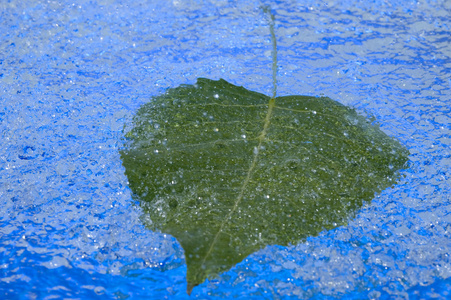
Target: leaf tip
[{"x": 189, "y": 288}]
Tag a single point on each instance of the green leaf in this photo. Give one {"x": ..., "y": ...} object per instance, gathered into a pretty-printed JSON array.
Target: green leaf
[{"x": 227, "y": 171}]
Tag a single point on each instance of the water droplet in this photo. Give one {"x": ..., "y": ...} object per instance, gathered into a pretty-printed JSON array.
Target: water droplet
[
  {"x": 216, "y": 96},
  {"x": 156, "y": 126},
  {"x": 29, "y": 152},
  {"x": 216, "y": 130},
  {"x": 155, "y": 151},
  {"x": 243, "y": 136}
]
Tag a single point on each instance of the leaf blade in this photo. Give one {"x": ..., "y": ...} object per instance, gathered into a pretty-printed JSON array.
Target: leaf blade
[{"x": 228, "y": 171}]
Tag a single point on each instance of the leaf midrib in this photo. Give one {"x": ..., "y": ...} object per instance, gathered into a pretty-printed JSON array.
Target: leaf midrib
[{"x": 250, "y": 172}]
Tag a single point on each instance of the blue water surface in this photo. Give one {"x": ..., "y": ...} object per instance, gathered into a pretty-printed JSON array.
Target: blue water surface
[{"x": 73, "y": 73}]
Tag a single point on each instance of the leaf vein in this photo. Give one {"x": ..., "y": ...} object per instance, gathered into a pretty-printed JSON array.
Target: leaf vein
[{"x": 248, "y": 177}]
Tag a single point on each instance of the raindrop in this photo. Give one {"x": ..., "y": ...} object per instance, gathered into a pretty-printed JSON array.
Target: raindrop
[{"x": 29, "y": 152}]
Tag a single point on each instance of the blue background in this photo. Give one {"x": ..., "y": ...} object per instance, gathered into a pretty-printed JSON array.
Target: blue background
[{"x": 72, "y": 75}]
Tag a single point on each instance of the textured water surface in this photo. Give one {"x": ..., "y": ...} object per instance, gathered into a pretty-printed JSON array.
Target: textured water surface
[{"x": 72, "y": 75}]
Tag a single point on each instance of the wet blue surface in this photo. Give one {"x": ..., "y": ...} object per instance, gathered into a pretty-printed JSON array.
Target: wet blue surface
[{"x": 73, "y": 74}]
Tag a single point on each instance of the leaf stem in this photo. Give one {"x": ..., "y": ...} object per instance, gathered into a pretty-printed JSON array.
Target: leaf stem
[{"x": 271, "y": 20}]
